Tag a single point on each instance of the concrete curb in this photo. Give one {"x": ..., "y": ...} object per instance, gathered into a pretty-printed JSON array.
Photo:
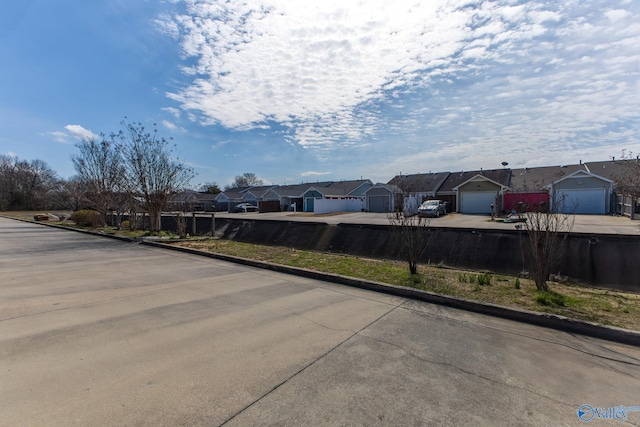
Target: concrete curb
[{"x": 552, "y": 321}]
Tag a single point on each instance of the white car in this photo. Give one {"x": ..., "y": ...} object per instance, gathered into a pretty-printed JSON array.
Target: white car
[{"x": 432, "y": 208}]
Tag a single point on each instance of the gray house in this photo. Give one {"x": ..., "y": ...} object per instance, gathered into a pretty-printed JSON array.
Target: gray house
[
  {"x": 582, "y": 192},
  {"x": 337, "y": 191},
  {"x": 383, "y": 198},
  {"x": 474, "y": 192}
]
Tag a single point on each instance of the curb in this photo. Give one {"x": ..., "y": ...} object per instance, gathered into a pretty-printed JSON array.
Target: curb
[{"x": 551, "y": 321}]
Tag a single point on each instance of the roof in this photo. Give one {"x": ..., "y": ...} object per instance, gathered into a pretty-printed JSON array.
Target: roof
[
  {"x": 342, "y": 188},
  {"x": 391, "y": 188},
  {"x": 297, "y": 190},
  {"x": 420, "y": 183},
  {"x": 580, "y": 173},
  {"x": 455, "y": 179},
  {"x": 258, "y": 191},
  {"x": 610, "y": 169},
  {"x": 536, "y": 179}
]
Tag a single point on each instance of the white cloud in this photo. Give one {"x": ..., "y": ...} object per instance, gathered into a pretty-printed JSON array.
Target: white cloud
[
  {"x": 169, "y": 125},
  {"x": 61, "y": 137},
  {"x": 312, "y": 65},
  {"x": 71, "y": 134},
  {"x": 314, "y": 173},
  {"x": 426, "y": 85},
  {"x": 173, "y": 111},
  {"x": 78, "y": 132}
]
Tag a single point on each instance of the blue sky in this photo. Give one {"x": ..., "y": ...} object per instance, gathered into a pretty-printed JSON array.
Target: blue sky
[{"x": 298, "y": 91}]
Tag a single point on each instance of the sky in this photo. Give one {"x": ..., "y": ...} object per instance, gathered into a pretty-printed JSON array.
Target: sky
[{"x": 304, "y": 91}]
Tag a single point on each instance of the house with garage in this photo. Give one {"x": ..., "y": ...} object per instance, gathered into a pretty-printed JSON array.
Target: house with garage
[
  {"x": 337, "y": 196},
  {"x": 624, "y": 202},
  {"x": 528, "y": 186},
  {"x": 474, "y": 192},
  {"x": 417, "y": 188},
  {"x": 382, "y": 198},
  {"x": 582, "y": 192},
  {"x": 226, "y": 201},
  {"x": 290, "y": 197}
]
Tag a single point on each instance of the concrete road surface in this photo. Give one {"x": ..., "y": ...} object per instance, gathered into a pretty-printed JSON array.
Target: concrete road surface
[
  {"x": 599, "y": 224},
  {"x": 95, "y": 331}
]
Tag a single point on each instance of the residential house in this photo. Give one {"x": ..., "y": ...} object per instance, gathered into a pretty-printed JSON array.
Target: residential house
[
  {"x": 417, "y": 188},
  {"x": 383, "y": 198},
  {"x": 475, "y": 192},
  {"x": 337, "y": 196}
]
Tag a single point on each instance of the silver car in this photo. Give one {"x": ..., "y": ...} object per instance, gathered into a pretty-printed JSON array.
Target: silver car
[{"x": 432, "y": 208}]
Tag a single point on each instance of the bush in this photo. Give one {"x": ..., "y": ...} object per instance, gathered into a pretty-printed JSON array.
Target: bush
[
  {"x": 483, "y": 279},
  {"x": 86, "y": 218},
  {"x": 550, "y": 298}
]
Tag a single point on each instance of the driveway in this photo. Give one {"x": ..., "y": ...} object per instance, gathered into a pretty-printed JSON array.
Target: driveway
[
  {"x": 95, "y": 331},
  {"x": 599, "y": 224}
]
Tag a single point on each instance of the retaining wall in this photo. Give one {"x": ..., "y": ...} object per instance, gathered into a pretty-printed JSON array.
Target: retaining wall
[{"x": 601, "y": 260}]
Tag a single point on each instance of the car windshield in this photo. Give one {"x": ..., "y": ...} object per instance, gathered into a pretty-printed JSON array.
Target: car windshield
[{"x": 431, "y": 203}]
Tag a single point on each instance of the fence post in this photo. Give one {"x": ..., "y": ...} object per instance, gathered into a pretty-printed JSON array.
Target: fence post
[
  {"x": 193, "y": 223},
  {"x": 213, "y": 224}
]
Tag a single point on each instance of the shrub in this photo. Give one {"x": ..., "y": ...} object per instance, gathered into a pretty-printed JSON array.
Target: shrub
[
  {"x": 125, "y": 224},
  {"x": 483, "y": 279},
  {"x": 550, "y": 298},
  {"x": 86, "y": 218},
  {"x": 517, "y": 283}
]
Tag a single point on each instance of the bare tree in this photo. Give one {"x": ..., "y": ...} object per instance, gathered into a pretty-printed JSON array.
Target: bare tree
[
  {"x": 151, "y": 169},
  {"x": 545, "y": 229},
  {"x": 72, "y": 193},
  {"x": 411, "y": 234},
  {"x": 101, "y": 170},
  {"x": 247, "y": 179},
  {"x": 25, "y": 185},
  {"x": 210, "y": 188},
  {"x": 627, "y": 180}
]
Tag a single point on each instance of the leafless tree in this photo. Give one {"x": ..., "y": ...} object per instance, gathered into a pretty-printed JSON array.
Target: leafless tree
[
  {"x": 545, "y": 230},
  {"x": 25, "y": 185},
  {"x": 151, "y": 169},
  {"x": 101, "y": 170},
  {"x": 72, "y": 193},
  {"x": 411, "y": 234},
  {"x": 247, "y": 179},
  {"x": 210, "y": 188},
  {"x": 627, "y": 180}
]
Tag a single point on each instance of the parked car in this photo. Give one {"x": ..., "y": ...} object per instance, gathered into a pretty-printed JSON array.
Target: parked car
[
  {"x": 432, "y": 208},
  {"x": 246, "y": 207}
]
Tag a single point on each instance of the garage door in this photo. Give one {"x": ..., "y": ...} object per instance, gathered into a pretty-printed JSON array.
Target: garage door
[
  {"x": 583, "y": 201},
  {"x": 379, "y": 204},
  {"x": 475, "y": 202}
]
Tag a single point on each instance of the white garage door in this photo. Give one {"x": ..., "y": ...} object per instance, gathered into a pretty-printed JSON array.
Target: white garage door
[
  {"x": 583, "y": 201},
  {"x": 475, "y": 202}
]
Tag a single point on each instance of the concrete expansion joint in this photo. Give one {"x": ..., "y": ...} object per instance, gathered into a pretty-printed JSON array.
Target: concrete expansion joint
[
  {"x": 467, "y": 372},
  {"x": 310, "y": 364},
  {"x": 560, "y": 323}
]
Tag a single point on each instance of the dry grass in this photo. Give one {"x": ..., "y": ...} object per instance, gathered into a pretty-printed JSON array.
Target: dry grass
[{"x": 594, "y": 305}]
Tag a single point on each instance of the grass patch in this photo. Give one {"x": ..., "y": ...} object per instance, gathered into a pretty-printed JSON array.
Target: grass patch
[{"x": 570, "y": 300}]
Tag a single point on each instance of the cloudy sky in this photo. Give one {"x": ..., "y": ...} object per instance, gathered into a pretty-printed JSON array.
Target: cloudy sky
[{"x": 310, "y": 90}]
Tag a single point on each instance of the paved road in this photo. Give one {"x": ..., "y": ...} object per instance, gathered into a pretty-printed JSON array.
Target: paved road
[{"x": 95, "y": 331}]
